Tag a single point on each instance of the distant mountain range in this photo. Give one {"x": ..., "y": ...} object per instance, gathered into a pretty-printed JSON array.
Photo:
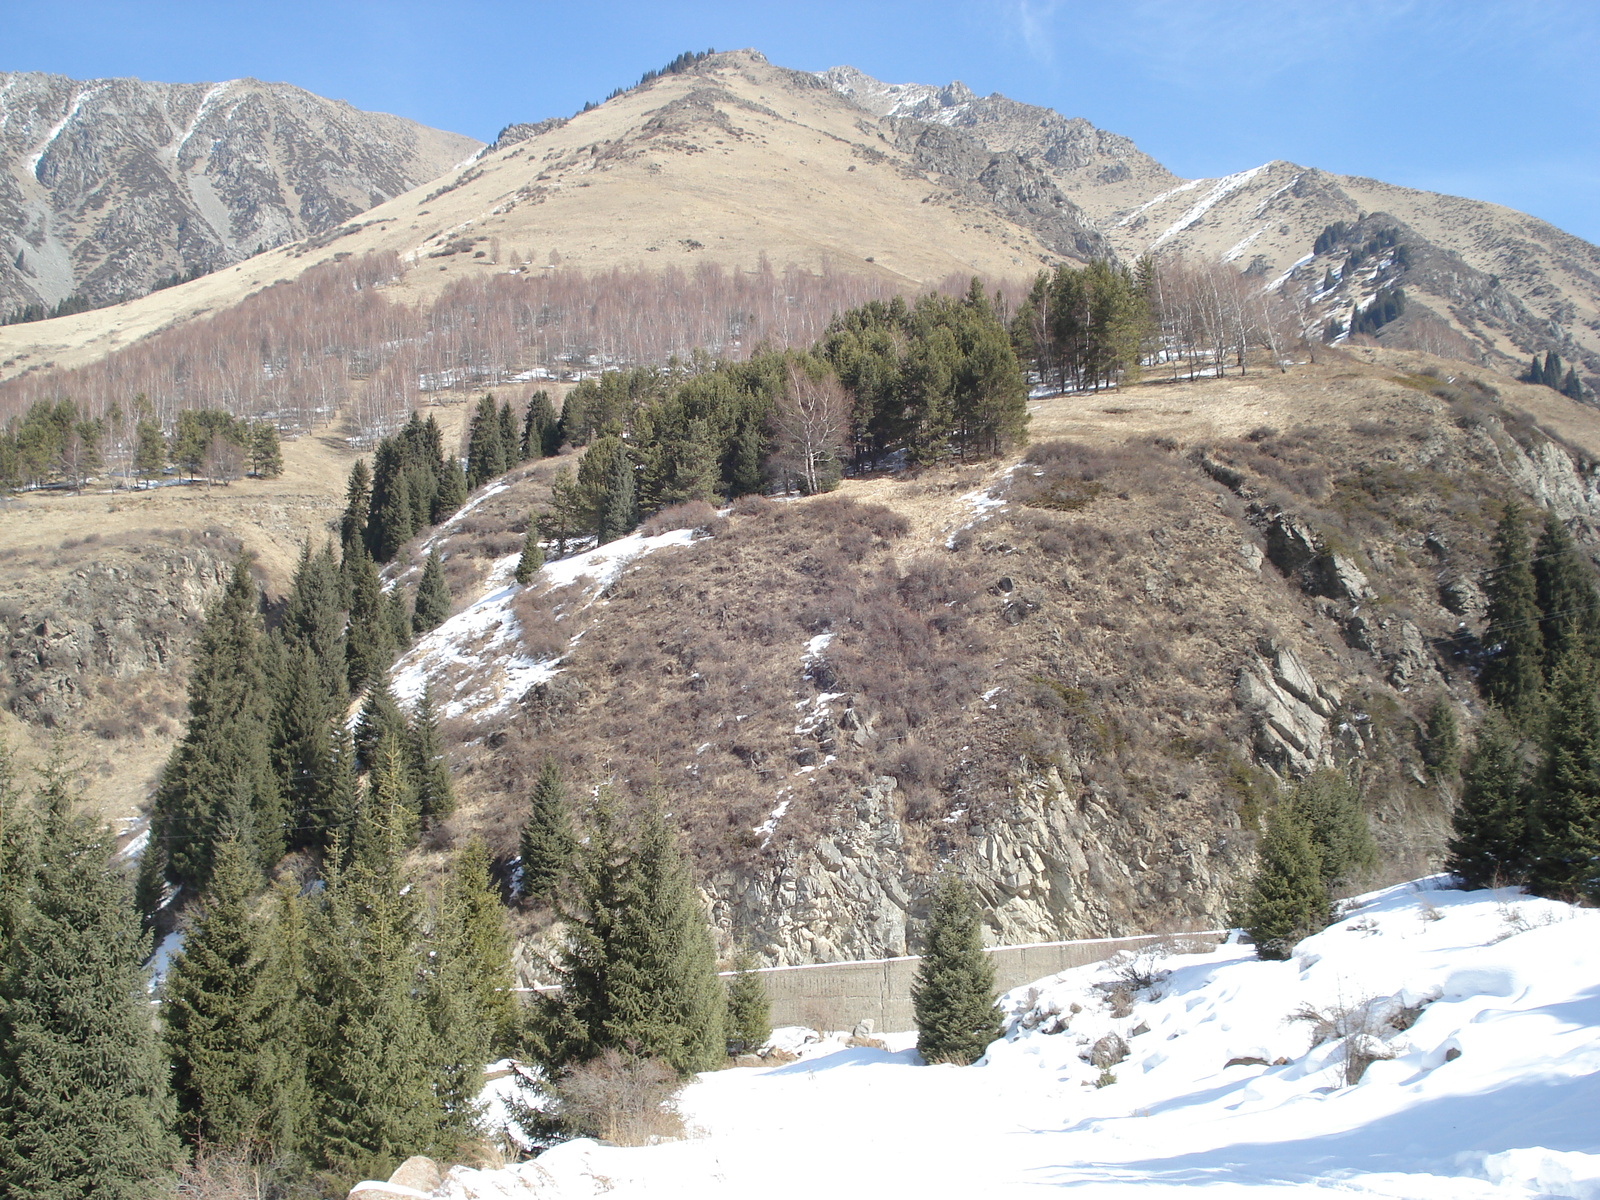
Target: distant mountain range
[{"x": 108, "y": 186}]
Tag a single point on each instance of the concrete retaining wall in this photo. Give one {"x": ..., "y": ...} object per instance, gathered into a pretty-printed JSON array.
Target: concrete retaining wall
[{"x": 841, "y": 995}]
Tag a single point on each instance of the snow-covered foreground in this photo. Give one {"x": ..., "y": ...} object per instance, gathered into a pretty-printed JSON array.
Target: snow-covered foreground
[{"x": 1491, "y": 1089}]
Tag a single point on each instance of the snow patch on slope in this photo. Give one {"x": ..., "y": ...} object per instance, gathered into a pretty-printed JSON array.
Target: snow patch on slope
[
  {"x": 1221, "y": 189},
  {"x": 1484, "y": 1036},
  {"x": 475, "y": 650}
]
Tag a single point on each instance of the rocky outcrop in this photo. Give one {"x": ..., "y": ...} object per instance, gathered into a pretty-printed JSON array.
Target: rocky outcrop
[
  {"x": 1290, "y": 711},
  {"x": 110, "y": 185},
  {"x": 112, "y": 618}
]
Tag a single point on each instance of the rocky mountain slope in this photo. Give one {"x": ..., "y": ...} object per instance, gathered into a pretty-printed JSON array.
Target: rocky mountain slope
[
  {"x": 109, "y": 185},
  {"x": 1498, "y": 284},
  {"x": 1075, "y": 673}
]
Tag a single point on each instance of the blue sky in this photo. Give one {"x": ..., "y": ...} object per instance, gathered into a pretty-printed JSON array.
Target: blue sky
[{"x": 1486, "y": 98}]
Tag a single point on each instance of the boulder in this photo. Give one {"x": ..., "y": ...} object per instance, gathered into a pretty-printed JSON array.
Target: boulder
[
  {"x": 1108, "y": 1051},
  {"x": 418, "y": 1173}
]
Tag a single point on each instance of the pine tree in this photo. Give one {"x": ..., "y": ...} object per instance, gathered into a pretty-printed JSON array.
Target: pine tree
[
  {"x": 1327, "y": 802},
  {"x": 398, "y": 614},
  {"x": 433, "y": 596},
  {"x": 486, "y": 453},
  {"x": 749, "y": 1008},
  {"x": 510, "y": 438},
  {"x": 386, "y": 815},
  {"x": 1512, "y": 674},
  {"x": 379, "y": 720},
  {"x": 452, "y": 489},
  {"x": 532, "y": 552},
  {"x": 369, "y": 638},
  {"x": 281, "y": 1002},
  {"x": 541, "y": 431},
  {"x": 1565, "y": 823},
  {"x": 1287, "y": 900},
  {"x": 638, "y": 970},
  {"x": 472, "y": 1005},
  {"x": 84, "y": 1102},
  {"x": 266, "y": 453},
  {"x": 374, "y": 1068},
  {"x": 1488, "y": 842},
  {"x": 547, "y": 844},
  {"x": 953, "y": 996},
  {"x": 357, "y": 505},
  {"x": 1572, "y": 386},
  {"x": 210, "y": 997},
  {"x": 619, "y": 509},
  {"x": 1569, "y": 610},
  {"x": 1441, "y": 740},
  {"x": 430, "y": 772},
  {"x": 220, "y": 777},
  {"x": 314, "y": 617},
  {"x": 313, "y": 754}
]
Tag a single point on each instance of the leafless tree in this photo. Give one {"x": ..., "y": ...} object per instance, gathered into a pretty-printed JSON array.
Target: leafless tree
[{"x": 810, "y": 425}]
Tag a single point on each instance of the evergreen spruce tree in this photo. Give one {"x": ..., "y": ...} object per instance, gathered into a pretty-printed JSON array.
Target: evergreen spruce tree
[
  {"x": 486, "y": 453},
  {"x": 430, "y": 772},
  {"x": 84, "y": 1105},
  {"x": 369, "y": 639},
  {"x": 1441, "y": 740},
  {"x": 386, "y": 815},
  {"x": 1512, "y": 674},
  {"x": 452, "y": 489},
  {"x": 749, "y": 1008},
  {"x": 541, "y": 431},
  {"x": 1327, "y": 802},
  {"x": 547, "y": 844},
  {"x": 281, "y": 1019},
  {"x": 314, "y": 617},
  {"x": 433, "y": 596},
  {"x": 266, "y": 453},
  {"x": 1569, "y": 610},
  {"x": 619, "y": 508},
  {"x": 210, "y": 1009},
  {"x": 398, "y": 614},
  {"x": 357, "y": 504},
  {"x": 1287, "y": 900},
  {"x": 1564, "y": 827},
  {"x": 638, "y": 971},
  {"x": 379, "y": 720},
  {"x": 1572, "y": 386},
  {"x": 312, "y": 754},
  {"x": 510, "y": 436},
  {"x": 1488, "y": 842},
  {"x": 532, "y": 552},
  {"x": 220, "y": 777},
  {"x": 472, "y": 1004},
  {"x": 953, "y": 996},
  {"x": 374, "y": 1068}
]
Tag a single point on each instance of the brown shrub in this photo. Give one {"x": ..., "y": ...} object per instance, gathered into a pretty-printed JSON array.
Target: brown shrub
[
  {"x": 620, "y": 1098},
  {"x": 692, "y": 514}
]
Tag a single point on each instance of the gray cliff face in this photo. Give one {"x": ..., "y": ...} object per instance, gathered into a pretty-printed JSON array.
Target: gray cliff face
[{"x": 109, "y": 185}]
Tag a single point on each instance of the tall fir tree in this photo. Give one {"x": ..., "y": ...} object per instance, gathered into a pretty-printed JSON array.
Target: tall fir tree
[
  {"x": 953, "y": 995},
  {"x": 547, "y": 844},
  {"x": 220, "y": 777},
  {"x": 266, "y": 453},
  {"x": 619, "y": 506},
  {"x": 472, "y": 1003},
  {"x": 1441, "y": 739},
  {"x": 1489, "y": 828},
  {"x": 486, "y": 452},
  {"x": 386, "y": 815},
  {"x": 749, "y": 1007},
  {"x": 510, "y": 436},
  {"x": 312, "y": 751},
  {"x": 357, "y": 505},
  {"x": 532, "y": 557},
  {"x": 430, "y": 772},
  {"x": 1569, "y": 611},
  {"x": 1287, "y": 900},
  {"x": 1564, "y": 827},
  {"x": 373, "y": 1065},
  {"x": 380, "y": 718},
  {"x": 369, "y": 639},
  {"x": 1329, "y": 805},
  {"x": 314, "y": 617},
  {"x": 432, "y": 605},
  {"x": 638, "y": 970},
  {"x": 85, "y": 1110},
  {"x": 541, "y": 431},
  {"x": 1512, "y": 672},
  {"x": 209, "y": 1009}
]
